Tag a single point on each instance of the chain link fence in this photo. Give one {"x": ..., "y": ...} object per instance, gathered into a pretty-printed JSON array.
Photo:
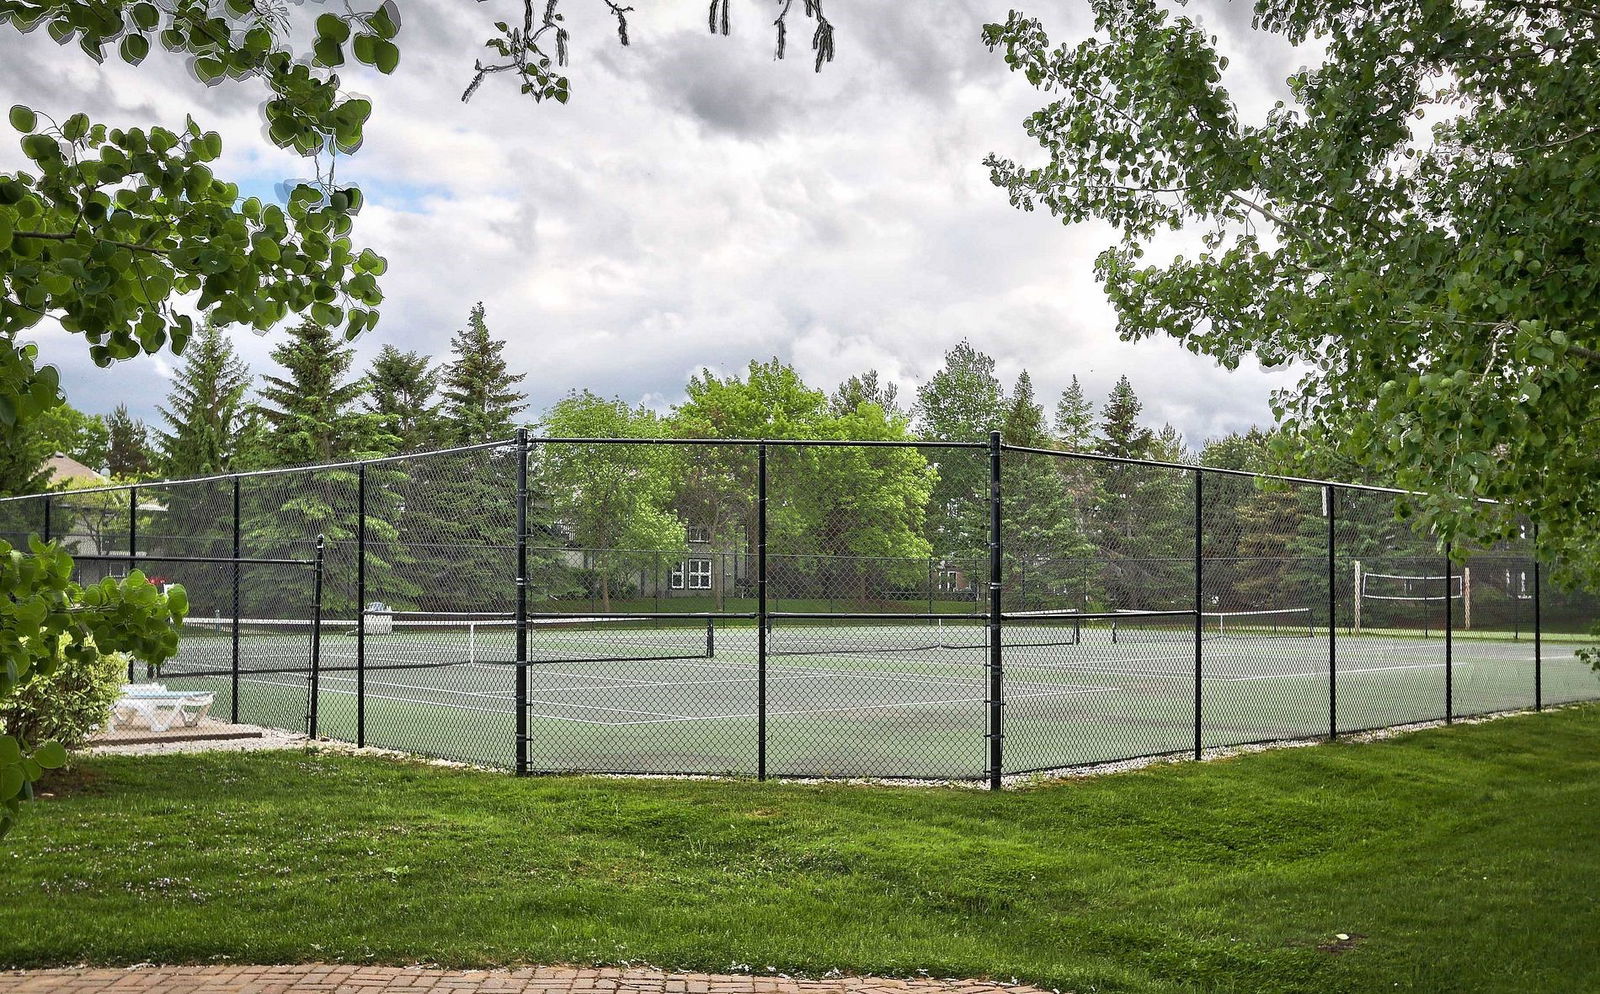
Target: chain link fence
[{"x": 819, "y": 608}]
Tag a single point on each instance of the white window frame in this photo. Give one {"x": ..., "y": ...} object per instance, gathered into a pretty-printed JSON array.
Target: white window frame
[
  {"x": 699, "y": 534},
  {"x": 675, "y": 579},
  {"x": 698, "y": 572}
]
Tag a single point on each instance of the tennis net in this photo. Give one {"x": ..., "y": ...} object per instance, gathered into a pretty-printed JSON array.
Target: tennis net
[
  {"x": 1272, "y": 623},
  {"x": 419, "y": 641}
]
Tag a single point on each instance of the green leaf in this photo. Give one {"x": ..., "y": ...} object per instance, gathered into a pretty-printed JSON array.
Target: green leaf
[
  {"x": 333, "y": 28},
  {"x": 51, "y": 755},
  {"x": 23, "y": 118},
  {"x": 386, "y": 56},
  {"x": 134, "y": 48},
  {"x": 328, "y": 52}
]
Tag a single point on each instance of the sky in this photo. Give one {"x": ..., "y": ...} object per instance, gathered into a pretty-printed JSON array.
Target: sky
[{"x": 696, "y": 204}]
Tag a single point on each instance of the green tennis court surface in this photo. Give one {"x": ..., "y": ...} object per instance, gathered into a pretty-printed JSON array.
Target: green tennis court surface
[{"x": 906, "y": 699}]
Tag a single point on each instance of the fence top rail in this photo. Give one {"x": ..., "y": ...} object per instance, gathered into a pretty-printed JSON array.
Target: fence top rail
[
  {"x": 512, "y": 444},
  {"x": 1218, "y": 470},
  {"x": 222, "y": 560}
]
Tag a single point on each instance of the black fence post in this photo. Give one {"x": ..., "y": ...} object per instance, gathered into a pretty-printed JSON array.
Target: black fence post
[
  {"x": 316, "y": 641},
  {"x": 1333, "y": 628},
  {"x": 1449, "y": 640},
  {"x": 996, "y": 700},
  {"x": 47, "y": 517},
  {"x": 1538, "y": 630},
  {"x": 521, "y": 704},
  {"x": 238, "y": 545},
  {"x": 761, "y": 611},
  {"x": 1199, "y": 606},
  {"x": 133, "y": 548},
  {"x": 361, "y": 605}
]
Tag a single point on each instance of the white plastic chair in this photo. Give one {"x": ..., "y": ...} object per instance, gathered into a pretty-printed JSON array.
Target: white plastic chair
[{"x": 159, "y": 707}]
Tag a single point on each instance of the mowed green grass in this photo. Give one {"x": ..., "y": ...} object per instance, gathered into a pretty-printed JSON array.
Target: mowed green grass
[{"x": 1457, "y": 859}]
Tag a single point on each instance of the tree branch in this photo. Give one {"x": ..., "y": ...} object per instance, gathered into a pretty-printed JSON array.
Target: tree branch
[{"x": 67, "y": 237}]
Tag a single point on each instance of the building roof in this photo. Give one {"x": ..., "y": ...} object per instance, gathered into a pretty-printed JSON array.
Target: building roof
[{"x": 65, "y": 469}]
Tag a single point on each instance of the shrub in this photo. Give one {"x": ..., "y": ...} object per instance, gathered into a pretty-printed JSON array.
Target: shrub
[{"x": 66, "y": 704}]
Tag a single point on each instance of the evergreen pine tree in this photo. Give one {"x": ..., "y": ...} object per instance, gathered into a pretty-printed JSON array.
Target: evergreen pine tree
[
  {"x": 128, "y": 447},
  {"x": 1044, "y": 541},
  {"x": 481, "y": 399},
  {"x": 1121, "y": 434},
  {"x": 1024, "y": 419},
  {"x": 204, "y": 411},
  {"x": 400, "y": 390},
  {"x": 310, "y": 414},
  {"x": 452, "y": 535},
  {"x": 1142, "y": 515},
  {"x": 1075, "y": 418},
  {"x": 962, "y": 402}
]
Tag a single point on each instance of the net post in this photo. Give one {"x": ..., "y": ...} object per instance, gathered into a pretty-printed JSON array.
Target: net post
[
  {"x": 1355, "y": 598},
  {"x": 996, "y": 702},
  {"x": 1466, "y": 598},
  {"x": 521, "y": 722},
  {"x": 361, "y": 605},
  {"x": 761, "y": 611},
  {"x": 1538, "y": 633},
  {"x": 133, "y": 548},
  {"x": 316, "y": 640},
  {"x": 47, "y": 517},
  {"x": 237, "y": 547},
  {"x": 1333, "y": 629},
  {"x": 1199, "y": 605},
  {"x": 1449, "y": 641}
]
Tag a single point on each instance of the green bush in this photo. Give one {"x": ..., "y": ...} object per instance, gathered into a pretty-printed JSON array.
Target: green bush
[{"x": 66, "y": 704}]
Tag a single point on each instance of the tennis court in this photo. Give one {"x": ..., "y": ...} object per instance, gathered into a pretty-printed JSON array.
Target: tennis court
[{"x": 849, "y": 697}]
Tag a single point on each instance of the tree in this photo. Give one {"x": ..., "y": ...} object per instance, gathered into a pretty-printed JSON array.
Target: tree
[
  {"x": 205, "y": 410},
  {"x": 400, "y": 391},
  {"x": 67, "y": 431},
  {"x": 866, "y": 388},
  {"x": 1075, "y": 418},
  {"x": 1121, "y": 434},
  {"x": 481, "y": 401},
  {"x": 310, "y": 412},
  {"x": 28, "y": 446},
  {"x": 961, "y": 402},
  {"x": 1024, "y": 422},
  {"x": 852, "y": 520},
  {"x": 614, "y": 500},
  {"x": 717, "y": 489},
  {"x": 128, "y": 445},
  {"x": 1043, "y": 525},
  {"x": 1142, "y": 522},
  {"x": 311, "y": 415},
  {"x": 1168, "y": 446},
  {"x": 1415, "y": 227}
]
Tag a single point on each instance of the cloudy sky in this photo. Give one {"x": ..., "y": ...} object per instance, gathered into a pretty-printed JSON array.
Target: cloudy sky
[{"x": 696, "y": 204}]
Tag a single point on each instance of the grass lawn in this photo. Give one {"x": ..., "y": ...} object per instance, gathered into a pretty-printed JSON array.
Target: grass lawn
[{"x": 1461, "y": 859}]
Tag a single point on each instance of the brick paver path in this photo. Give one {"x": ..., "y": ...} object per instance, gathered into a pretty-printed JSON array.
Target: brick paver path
[{"x": 326, "y": 979}]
